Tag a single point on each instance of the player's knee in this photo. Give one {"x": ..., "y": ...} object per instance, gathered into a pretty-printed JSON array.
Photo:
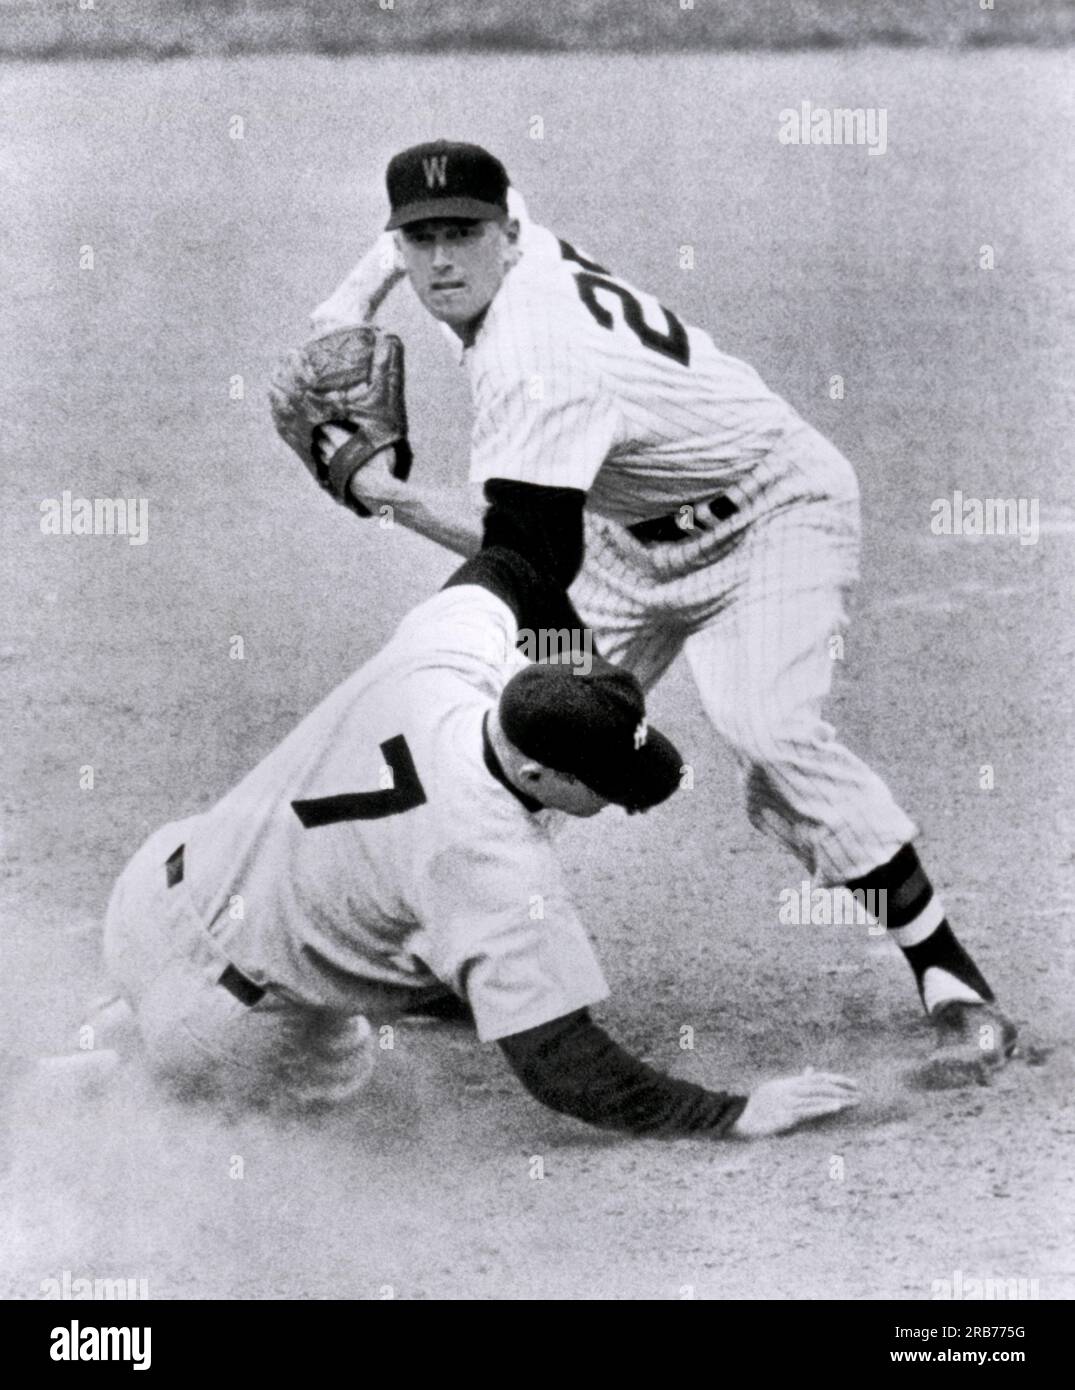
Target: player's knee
[
  {"x": 790, "y": 742},
  {"x": 758, "y": 745}
]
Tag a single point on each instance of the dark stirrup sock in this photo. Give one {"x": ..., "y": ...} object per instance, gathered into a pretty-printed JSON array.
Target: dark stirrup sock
[{"x": 914, "y": 916}]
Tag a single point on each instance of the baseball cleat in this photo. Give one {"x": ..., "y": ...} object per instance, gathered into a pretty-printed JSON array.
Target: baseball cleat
[{"x": 973, "y": 1041}]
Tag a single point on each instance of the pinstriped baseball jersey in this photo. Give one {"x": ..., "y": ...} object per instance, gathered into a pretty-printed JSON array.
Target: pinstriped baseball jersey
[
  {"x": 580, "y": 380},
  {"x": 373, "y": 846}
]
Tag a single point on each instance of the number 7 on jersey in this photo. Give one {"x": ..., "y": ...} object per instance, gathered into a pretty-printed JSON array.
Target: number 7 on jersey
[{"x": 405, "y": 793}]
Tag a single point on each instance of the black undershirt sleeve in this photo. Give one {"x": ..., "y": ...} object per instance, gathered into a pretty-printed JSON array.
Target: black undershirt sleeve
[
  {"x": 532, "y": 549},
  {"x": 536, "y": 600},
  {"x": 573, "y": 1066},
  {"x": 544, "y": 524}
]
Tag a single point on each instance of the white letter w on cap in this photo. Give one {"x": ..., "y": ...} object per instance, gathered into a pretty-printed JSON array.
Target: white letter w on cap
[{"x": 436, "y": 170}]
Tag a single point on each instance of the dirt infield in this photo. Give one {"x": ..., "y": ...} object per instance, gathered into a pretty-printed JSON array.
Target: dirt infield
[{"x": 161, "y": 255}]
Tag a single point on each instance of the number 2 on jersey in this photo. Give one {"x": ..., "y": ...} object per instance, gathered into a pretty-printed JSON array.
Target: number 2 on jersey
[
  {"x": 405, "y": 793},
  {"x": 593, "y": 277}
]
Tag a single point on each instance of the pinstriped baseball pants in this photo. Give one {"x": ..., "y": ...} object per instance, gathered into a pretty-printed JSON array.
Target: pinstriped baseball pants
[{"x": 754, "y": 603}]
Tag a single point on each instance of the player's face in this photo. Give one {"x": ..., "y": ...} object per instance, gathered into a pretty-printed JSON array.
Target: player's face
[
  {"x": 456, "y": 265},
  {"x": 562, "y": 792}
]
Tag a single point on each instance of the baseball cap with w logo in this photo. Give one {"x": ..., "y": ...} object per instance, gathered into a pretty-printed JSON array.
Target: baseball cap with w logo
[{"x": 446, "y": 179}]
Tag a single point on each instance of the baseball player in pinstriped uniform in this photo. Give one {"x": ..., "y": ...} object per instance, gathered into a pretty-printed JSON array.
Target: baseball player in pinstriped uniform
[{"x": 689, "y": 508}]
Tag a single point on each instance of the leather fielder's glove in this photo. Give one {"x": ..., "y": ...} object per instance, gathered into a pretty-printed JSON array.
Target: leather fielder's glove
[{"x": 351, "y": 378}]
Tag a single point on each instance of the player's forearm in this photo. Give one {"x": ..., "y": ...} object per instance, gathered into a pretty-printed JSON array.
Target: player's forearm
[
  {"x": 539, "y": 600},
  {"x": 441, "y": 515},
  {"x": 575, "y": 1068},
  {"x": 543, "y": 524}
]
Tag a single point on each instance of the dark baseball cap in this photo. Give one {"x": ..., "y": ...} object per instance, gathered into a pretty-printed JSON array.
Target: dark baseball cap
[
  {"x": 445, "y": 178},
  {"x": 593, "y": 727}
]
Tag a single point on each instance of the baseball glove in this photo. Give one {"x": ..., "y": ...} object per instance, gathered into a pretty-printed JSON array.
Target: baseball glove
[{"x": 351, "y": 378}]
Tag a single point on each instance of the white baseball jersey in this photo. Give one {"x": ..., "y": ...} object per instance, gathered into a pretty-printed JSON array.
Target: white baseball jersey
[
  {"x": 580, "y": 380},
  {"x": 374, "y": 847}
]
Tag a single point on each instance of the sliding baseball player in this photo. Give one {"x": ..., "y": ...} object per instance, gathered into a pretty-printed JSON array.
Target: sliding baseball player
[{"x": 396, "y": 846}]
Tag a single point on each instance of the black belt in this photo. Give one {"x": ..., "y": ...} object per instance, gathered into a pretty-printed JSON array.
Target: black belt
[
  {"x": 234, "y": 981},
  {"x": 670, "y": 527}
]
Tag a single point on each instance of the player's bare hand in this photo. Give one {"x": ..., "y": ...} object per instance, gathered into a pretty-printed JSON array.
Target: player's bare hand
[{"x": 782, "y": 1104}]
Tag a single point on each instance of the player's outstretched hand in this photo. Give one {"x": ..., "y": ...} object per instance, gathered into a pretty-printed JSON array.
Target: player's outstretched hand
[{"x": 776, "y": 1106}]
